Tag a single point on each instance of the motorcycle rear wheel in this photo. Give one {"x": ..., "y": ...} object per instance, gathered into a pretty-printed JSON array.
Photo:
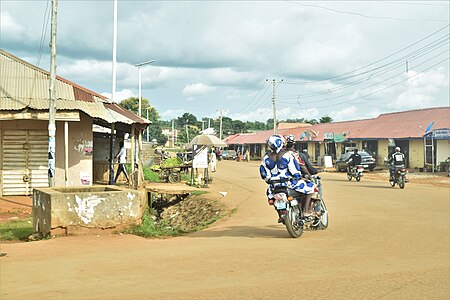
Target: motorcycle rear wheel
[
  {"x": 291, "y": 220},
  {"x": 401, "y": 182},
  {"x": 358, "y": 178}
]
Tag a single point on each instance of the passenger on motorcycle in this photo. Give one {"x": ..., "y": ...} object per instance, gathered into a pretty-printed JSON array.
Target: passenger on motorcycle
[
  {"x": 279, "y": 168},
  {"x": 353, "y": 160},
  {"x": 306, "y": 167},
  {"x": 397, "y": 160}
]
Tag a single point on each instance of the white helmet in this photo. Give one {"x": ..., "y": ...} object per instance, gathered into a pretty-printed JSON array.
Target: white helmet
[
  {"x": 397, "y": 149},
  {"x": 290, "y": 138}
]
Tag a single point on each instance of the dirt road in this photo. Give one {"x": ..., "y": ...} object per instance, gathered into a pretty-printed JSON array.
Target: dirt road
[{"x": 382, "y": 243}]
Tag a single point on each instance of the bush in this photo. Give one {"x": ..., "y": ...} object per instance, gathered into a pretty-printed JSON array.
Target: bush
[{"x": 16, "y": 230}]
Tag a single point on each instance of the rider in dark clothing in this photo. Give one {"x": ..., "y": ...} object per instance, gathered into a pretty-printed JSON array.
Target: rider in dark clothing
[
  {"x": 397, "y": 160},
  {"x": 353, "y": 160}
]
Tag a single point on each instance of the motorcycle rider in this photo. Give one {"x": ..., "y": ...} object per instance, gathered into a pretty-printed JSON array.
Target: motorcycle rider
[
  {"x": 353, "y": 160},
  {"x": 303, "y": 159},
  {"x": 397, "y": 160},
  {"x": 279, "y": 168}
]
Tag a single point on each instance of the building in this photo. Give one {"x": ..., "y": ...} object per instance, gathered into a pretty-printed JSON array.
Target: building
[
  {"x": 82, "y": 157},
  {"x": 422, "y": 134}
]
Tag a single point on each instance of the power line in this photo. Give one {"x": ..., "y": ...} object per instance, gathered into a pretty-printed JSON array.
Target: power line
[
  {"x": 373, "y": 63},
  {"x": 382, "y": 89},
  {"x": 45, "y": 22},
  {"x": 364, "y": 15},
  {"x": 375, "y": 72},
  {"x": 373, "y": 85}
]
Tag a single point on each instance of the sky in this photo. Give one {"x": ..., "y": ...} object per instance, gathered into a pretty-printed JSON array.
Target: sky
[{"x": 344, "y": 59}]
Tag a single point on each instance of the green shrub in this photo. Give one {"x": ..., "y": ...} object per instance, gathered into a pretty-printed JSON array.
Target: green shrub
[
  {"x": 150, "y": 228},
  {"x": 16, "y": 230},
  {"x": 150, "y": 175}
]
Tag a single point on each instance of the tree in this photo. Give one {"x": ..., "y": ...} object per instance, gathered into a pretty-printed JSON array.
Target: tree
[
  {"x": 326, "y": 119},
  {"x": 154, "y": 129}
]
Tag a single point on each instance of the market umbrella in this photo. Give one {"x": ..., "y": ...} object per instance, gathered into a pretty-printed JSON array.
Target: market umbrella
[{"x": 206, "y": 140}]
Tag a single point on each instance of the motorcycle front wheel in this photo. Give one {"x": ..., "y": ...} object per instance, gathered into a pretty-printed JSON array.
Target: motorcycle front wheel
[
  {"x": 321, "y": 208},
  {"x": 349, "y": 177},
  {"x": 291, "y": 221},
  {"x": 401, "y": 182}
]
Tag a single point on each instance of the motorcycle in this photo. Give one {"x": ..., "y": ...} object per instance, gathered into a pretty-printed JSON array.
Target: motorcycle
[
  {"x": 289, "y": 205},
  {"x": 355, "y": 172},
  {"x": 399, "y": 177}
]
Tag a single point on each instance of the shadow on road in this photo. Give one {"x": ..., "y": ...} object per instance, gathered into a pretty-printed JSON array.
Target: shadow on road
[
  {"x": 274, "y": 231},
  {"x": 376, "y": 186}
]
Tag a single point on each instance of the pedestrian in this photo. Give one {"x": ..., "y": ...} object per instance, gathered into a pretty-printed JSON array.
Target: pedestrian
[
  {"x": 247, "y": 155},
  {"x": 213, "y": 161},
  {"x": 122, "y": 160}
]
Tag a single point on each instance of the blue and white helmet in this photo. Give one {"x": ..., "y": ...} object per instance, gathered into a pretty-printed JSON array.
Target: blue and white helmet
[{"x": 276, "y": 142}]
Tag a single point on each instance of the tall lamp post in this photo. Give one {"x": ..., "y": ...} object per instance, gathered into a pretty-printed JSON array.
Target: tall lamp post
[{"x": 140, "y": 91}]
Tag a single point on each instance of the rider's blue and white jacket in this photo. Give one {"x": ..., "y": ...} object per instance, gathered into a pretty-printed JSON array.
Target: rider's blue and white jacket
[{"x": 284, "y": 172}]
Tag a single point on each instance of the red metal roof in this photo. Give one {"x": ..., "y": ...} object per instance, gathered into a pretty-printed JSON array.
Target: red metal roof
[{"x": 406, "y": 124}]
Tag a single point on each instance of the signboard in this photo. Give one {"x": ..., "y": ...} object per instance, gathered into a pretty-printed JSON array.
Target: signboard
[
  {"x": 441, "y": 134},
  {"x": 200, "y": 157},
  {"x": 328, "y": 135}
]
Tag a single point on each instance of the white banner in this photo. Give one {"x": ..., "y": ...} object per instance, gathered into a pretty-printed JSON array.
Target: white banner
[{"x": 200, "y": 158}]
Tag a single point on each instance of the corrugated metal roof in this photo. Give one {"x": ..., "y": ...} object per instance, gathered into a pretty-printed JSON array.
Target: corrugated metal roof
[
  {"x": 25, "y": 85},
  {"x": 406, "y": 124}
]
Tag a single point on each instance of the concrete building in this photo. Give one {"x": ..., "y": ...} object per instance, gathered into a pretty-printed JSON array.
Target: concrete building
[
  {"x": 24, "y": 115},
  {"x": 422, "y": 134}
]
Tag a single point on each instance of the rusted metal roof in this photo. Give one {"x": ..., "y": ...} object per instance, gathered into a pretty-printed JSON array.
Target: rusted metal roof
[{"x": 23, "y": 85}]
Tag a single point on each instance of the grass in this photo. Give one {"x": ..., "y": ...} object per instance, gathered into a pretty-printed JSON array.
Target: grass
[
  {"x": 16, "y": 230},
  {"x": 150, "y": 228},
  {"x": 150, "y": 175}
]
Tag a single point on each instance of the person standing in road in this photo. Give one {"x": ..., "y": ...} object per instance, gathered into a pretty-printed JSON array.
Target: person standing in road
[
  {"x": 122, "y": 160},
  {"x": 213, "y": 161}
]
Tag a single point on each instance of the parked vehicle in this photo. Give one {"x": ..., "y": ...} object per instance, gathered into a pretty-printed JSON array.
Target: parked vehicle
[
  {"x": 288, "y": 204},
  {"x": 367, "y": 161},
  {"x": 399, "y": 177},
  {"x": 355, "y": 172},
  {"x": 229, "y": 154}
]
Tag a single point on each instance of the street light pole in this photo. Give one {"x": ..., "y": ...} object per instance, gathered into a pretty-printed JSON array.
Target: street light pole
[{"x": 140, "y": 90}]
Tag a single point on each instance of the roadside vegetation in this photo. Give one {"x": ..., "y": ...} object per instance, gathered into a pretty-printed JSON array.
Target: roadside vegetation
[
  {"x": 16, "y": 230},
  {"x": 174, "y": 218}
]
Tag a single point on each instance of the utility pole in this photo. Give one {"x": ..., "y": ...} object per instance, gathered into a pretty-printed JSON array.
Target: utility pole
[
  {"x": 113, "y": 96},
  {"x": 275, "y": 104},
  {"x": 220, "y": 124},
  {"x": 52, "y": 101},
  {"x": 173, "y": 133}
]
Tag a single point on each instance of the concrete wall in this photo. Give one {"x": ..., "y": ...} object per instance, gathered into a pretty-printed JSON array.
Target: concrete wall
[
  {"x": 443, "y": 150},
  {"x": 80, "y": 152},
  {"x": 93, "y": 207},
  {"x": 80, "y": 144},
  {"x": 383, "y": 151},
  {"x": 416, "y": 154}
]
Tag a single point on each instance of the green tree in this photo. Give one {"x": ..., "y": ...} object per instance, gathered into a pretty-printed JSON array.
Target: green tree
[
  {"x": 326, "y": 119},
  {"x": 154, "y": 129}
]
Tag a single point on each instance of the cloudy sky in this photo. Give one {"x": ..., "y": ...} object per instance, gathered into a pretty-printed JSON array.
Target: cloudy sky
[{"x": 347, "y": 59}]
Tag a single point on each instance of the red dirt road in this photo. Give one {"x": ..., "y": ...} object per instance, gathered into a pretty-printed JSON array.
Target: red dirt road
[{"x": 382, "y": 243}]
